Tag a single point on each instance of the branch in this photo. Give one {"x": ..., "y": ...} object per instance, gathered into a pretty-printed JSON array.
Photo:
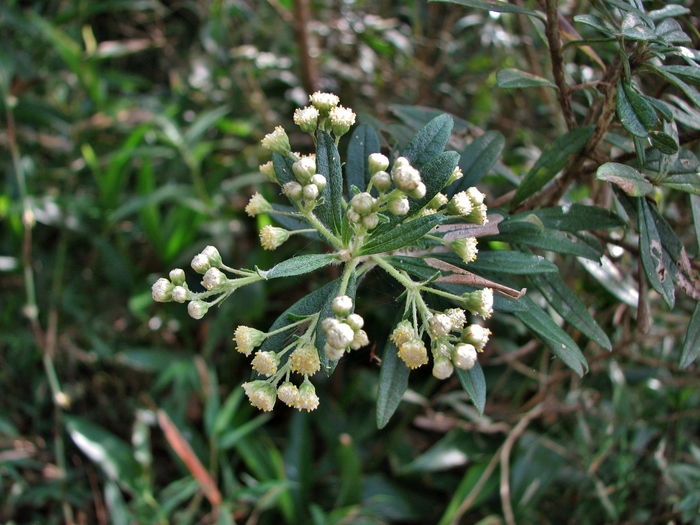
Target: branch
[{"x": 555, "y": 53}]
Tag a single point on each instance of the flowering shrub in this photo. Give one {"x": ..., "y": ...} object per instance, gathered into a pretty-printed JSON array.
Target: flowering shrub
[{"x": 404, "y": 216}]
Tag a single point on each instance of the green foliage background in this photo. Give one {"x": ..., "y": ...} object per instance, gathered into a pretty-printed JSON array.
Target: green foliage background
[{"x": 131, "y": 139}]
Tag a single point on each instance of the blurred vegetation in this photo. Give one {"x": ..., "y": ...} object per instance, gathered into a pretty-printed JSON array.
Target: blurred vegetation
[{"x": 131, "y": 139}]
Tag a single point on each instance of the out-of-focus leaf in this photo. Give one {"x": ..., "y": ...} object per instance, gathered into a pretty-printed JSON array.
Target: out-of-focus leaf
[
  {"x": 567, "y": 304},
  {"x": 150, "y": 359},
  {"x": 478, "y": 158},
  {"x": 299, "y": 265},
  {"x": 664, "y": 142},
  {"x": 625, "y": 177},
  {"x": 651, "y": 251},
  {"x": 556, "y": 339},
  {"x": 551, "y": 162},
  {"x": 597, "y": 23},
  {"x": 106, "y": 450},
  {"x": 393, "y": 382},
  {"x": 349, "y": 472},
  {"x": 204, "y": 121},
  {"x": 429, "y": 141},
  {"x": 668, "y": 11},
  {"x": 552, "y": 240},
  {"x": 576, "y": 217},
  {"x": 689, "y": 91},
  {"x": 672, "y": 32},
  {"x": 469, "y": 482},
  {"x": 449, "y": 452},
  {"x": 496, "y": 6},
  {"x": 116, "y": 506},
  {"x": 510, "y": 78},
  {"x": 403, "y": 235},
  {"x": 474, "y": 384},
  {"x": 634, "y": 27},
  {"x": 688, "y": 73},
  {"x": 691, "y": 343},
  {"x": 364, "y": 142},
  {"x": 328, "y": 165}
]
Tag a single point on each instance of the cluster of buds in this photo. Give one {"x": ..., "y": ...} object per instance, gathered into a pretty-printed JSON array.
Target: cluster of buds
[
  {"x": 344, "y": 331},
  {"x": 452, "y": 345}
]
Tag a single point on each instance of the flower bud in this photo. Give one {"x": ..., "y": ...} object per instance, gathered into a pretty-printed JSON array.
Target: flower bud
[
  {"x": 304, "y": 169},
  {"x": 475, "y": 196},
  {"x": 478, "y": 215},
  {"x": 319, "y": 181},
  {"x": 268, "y": 169},
  {"x": 399, "y": 206},
  {"x": 177, "y": 276},
  {"x": 307, "y": 400},
  {"x": 265, "y": 363},
  {"x": 257, "y": 204},
  {"x": 324, "y": 102},
  {"x": 361, "y": 339},
  {"x": 403, "y": 333},
  {"x": 466, "y": 248},
  {"x": 418, "y": 192},
  {"x": 333, "y": 354},
  {"x": 413, "y": 353},
  {"x": 306, "y": 118},
  {"x": 377, "y": 162},
  {"x": 455, "y": 176},
  {"x": 464, "y": 356},
  {"x": 293, "y": 190},
  {"x": 362, "y": 203},
  {"x": 460, "y": 204},
  {"x": 213, "y": 278},
  {"x": 288, "y": 393},
  {"x": 310, "y": 192},
  {"x": 457, "y": 316},
  {"x": 247, "y": 339},
  {"x": 370, "y": 221},
  {"x": 476, "y": 335},
  {"x": 438, "y": 201},
  {"x": 341, "y": 119},
  {"x": 440, "y": 325},
  {"x": 180, "y": 294},
  {"x": 197, "y": 309},
  {"x": 353, "y": 216},
  {"x": 272, "y": 237},
  {"x": 338, "y": 335},
  {"x": 305, "y": 360},
  {"x": 479, "y": 302},
  {"x": 161, "y": 291},
  {"x": 277, "y": 141},
  {"x": 401, "y": 162},
  {"x": 406, "y": 177},
  {"x": 442, "y": 367},
  {"x": 262, "y": 395},
  {"x": 342, "y": 305},
  {"x": 382, "y": 181},
  {"x": 355, "y": 321},
  {"x": 200, "y": 263}
]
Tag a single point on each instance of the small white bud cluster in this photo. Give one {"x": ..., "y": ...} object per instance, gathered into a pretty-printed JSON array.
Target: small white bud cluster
[
  {"x": 344, "y": 331},
  {"x": 469, "y": 205},
  {"x": 362, "y": 210},
  {"x": 209, "y": 257},
  {"x": 341, "y": 120}
]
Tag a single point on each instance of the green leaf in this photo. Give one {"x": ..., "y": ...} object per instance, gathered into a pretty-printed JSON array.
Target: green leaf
[
  {"x": 551, "y": 162},
  {"x": 556, "y": 339},
  {"x": 511, "y": 262},
  {"x": 204, "y": 121},
  {"x": 283, "y": 168},
  {"x": 478, "y": 158},
  {"x": 495, "y": 6},
  {"x": 687, "y": 182},
  {"x": 328, "y": 165},
  {"x": 689, "y": 91},
  {"x": 691, "y": 343},
  {"x": 576, "y": 217},
  {"x": 429, "y": 141},
  {"x": 627, "y": 112},
  {"x": 474, "y": 384},
  {"x": 552, "y": 240},
  {"x": 668, "y": 11},
  {"x": 299, "y": 265},
  {"x": 671, "y": 32},
  {"x": 364, "y": 142},
  {"x": 664, "y": 142},
  {"x": 449, "y": 452},
  {"x": 393, "y": 382},
  {"x": 625, "y": 177},
  {"x": 567, "y": 304},
  {"x": 510, "y": 78},
  {"x": 689, "y": 73},
  {"x": 634, "y": 27},
  {"x": 597, "y": 23},
  {"x": 404, "y": 235},
  {"x": 651, "y": 251},
  {"x": 435, "y": 174},
  {"x": 107, "y": 451}
]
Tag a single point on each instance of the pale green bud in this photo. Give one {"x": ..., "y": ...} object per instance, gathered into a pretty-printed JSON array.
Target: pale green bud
[
  {"x": 161, "y": 291},
  {"x": 277, "y": 141},
  {"x": 177, "y": 276},
  {"x": 382, "y": 181},
  {"x": 213, "y": 278},
  {"x": 464, "y": 356},
  {"x": 197, "y": 309},
  {"x": 377, "y": 162}
]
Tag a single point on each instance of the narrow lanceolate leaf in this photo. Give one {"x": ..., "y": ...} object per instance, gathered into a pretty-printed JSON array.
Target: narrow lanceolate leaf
[
  {"x": 510, "y": 78},
  {"x": 553, "y": 241},
  {"x": 299, "y": 265},
  {"x": 474, "y": 384},
  {"x": 511, "y": 262},
  {"x": 393, "y": 382},
  {"x": 364, "y": 142},
  {"x": 687, "y": 182},
  {"x": 577, "y": 217},
  {"x": 651, "y": 252},
  {"x": 688, "y": 73},
  {"x": 551, "y": 162},
  {"x": 672, "y": 32},
  {"x": 597, "y": 23},
  {"x": 328, "y": 165},
  {"x": 643, "y": 109},
  {"x": 567, "y": 304},
  {"x": 625, "y": 177},
  {"x": 627, "y": 114},
  {"x": 496, "y": 6},
  {"x": 691, "y": 344},
  {"x": 283, "y": 168},
  {"x": 668, "y": 11},
  {"x": 689, "y": 91},
  {"x": 404, "y": 235},
  {"x": 478, "y": 158},
  {"x": 664, "y": 142},
  {"x": 429, "y": 141},
  {"x": 556, "y": 339},
  {"x": 435, "y": 174}
]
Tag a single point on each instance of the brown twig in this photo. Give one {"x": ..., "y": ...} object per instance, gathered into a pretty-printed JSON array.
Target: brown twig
[
  {"x": 309, "y": 71},
  {"x": 555, "y": 52}
]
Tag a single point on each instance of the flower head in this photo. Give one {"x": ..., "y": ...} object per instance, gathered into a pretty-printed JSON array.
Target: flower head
[
  {"x": 475, "y": 196},
  {"x": 307, "y": 400},
  {"x": 342, "y": 305},
  {"x": 277, "y": 141},
  {"x": 442, "y": 367},
  {"x": 466, "y": 248},
  {"x": 261, "y": 394},
  {"x": 478, "y": 215},
  {"x": 457, "y": 316},
  {"x": 333, "y": 354},
  {"x": 476, "y": 335},
  {"x": 247, "y": 339},
  {"x": 180, "y": 294},
  {"x": 341, "y": 120},
  {"x": 324, "y": 102},
  {"x": 479, "y": 302},
  {"x": 304, "y": 169},
  {"x": 305, "y": 360},
  {"x": 464, "y": 356},
  {"x": 288, "y": 393},
  {"x": 197, "y": 309},
  {"x": 265, "y": 363},
  {"x": 377, "y": 162},
  {"x": 338, "y": 334},
  {"x": 403, "y": 333},
  {"x": 268, "y": 169},
  {"x": 440, "y": 325},
  {"x": 406, "y": 177},
  {"x": 413, "y": 353},
  {"x": 272, "y": 237},
  {"x": 257, "y": 204},
  {"x": 213, "y": 278},
  {"x": 460, "y": 204},
  {"x": 177, "y": 276},
  {"x": 306, "y": 118},
  {"x": 361, "y": 339}
]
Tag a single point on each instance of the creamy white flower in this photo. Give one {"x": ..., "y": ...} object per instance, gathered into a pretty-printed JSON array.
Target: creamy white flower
[
  {"x": 307, "y": 400},
  {"x": 440, "y": 325},
  {"x": 306, "y": 118},
  {"x": 277, "y": 141},
  {"x": 341, "y": 119},
  {"x": 261, "y": 394},
  {"x": 257, "y": 204},
  {"x": 213, "y": 278},
  {"x": 265, "y": 363},
  {"x": 442, "y": 367},
  {"x": 342, "y": 305},
  {"x": 197, "y": 309},
  {"x": 247, "y": 339},
  {"x": 272, "y": 237},
  {"x": 324, "y": 102},
  {"x": 464, "y": 356},
  {"x": 460, "y": 204}
]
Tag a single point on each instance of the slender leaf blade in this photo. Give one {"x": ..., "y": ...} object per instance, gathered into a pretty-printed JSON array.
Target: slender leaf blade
[
  {"x": 474, "y": 384},
  {"x": 429, "y": 141},
  {"x": 495, "y": 6},
  {"x": 404, "y": 235},
  {"x": 651, "y": 251},
  {"x": 478, "y": 158},
  {"x": 299, "y": 265},
  {"x": 510, "y": 78},
  {"x": 393, "y": 382},
  {"x": 363, "y": 143},
  {"x": 625, "y": 177},
  {"x": 328, "y": 165},
  {"x": 691, "y": 343}
]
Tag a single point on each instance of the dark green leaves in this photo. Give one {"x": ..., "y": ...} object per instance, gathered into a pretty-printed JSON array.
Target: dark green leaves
[
  {"x": 328, "y": 165},
  {"x": 364, "y": 142},
  {"x": 691, "y": 344},
  {"x": 429, "y": 141},
  {"x": 635, "y": 113},
  {"x": 495, "y": 6},
  {"x": 652, "y": 253},
  {"x": 552, "y": 160},
  {"x": 478, "y": 158},
  {"x": 393, "y": 382},
  {"x": 625, "y": 177},
  {"x": 474, "y": 384},
  {"x": 515, "y": 79},
  {"x": 404, "y": 235},
  {"x": 435, "y": 174},
  {"x": 299, "y": 265}
]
